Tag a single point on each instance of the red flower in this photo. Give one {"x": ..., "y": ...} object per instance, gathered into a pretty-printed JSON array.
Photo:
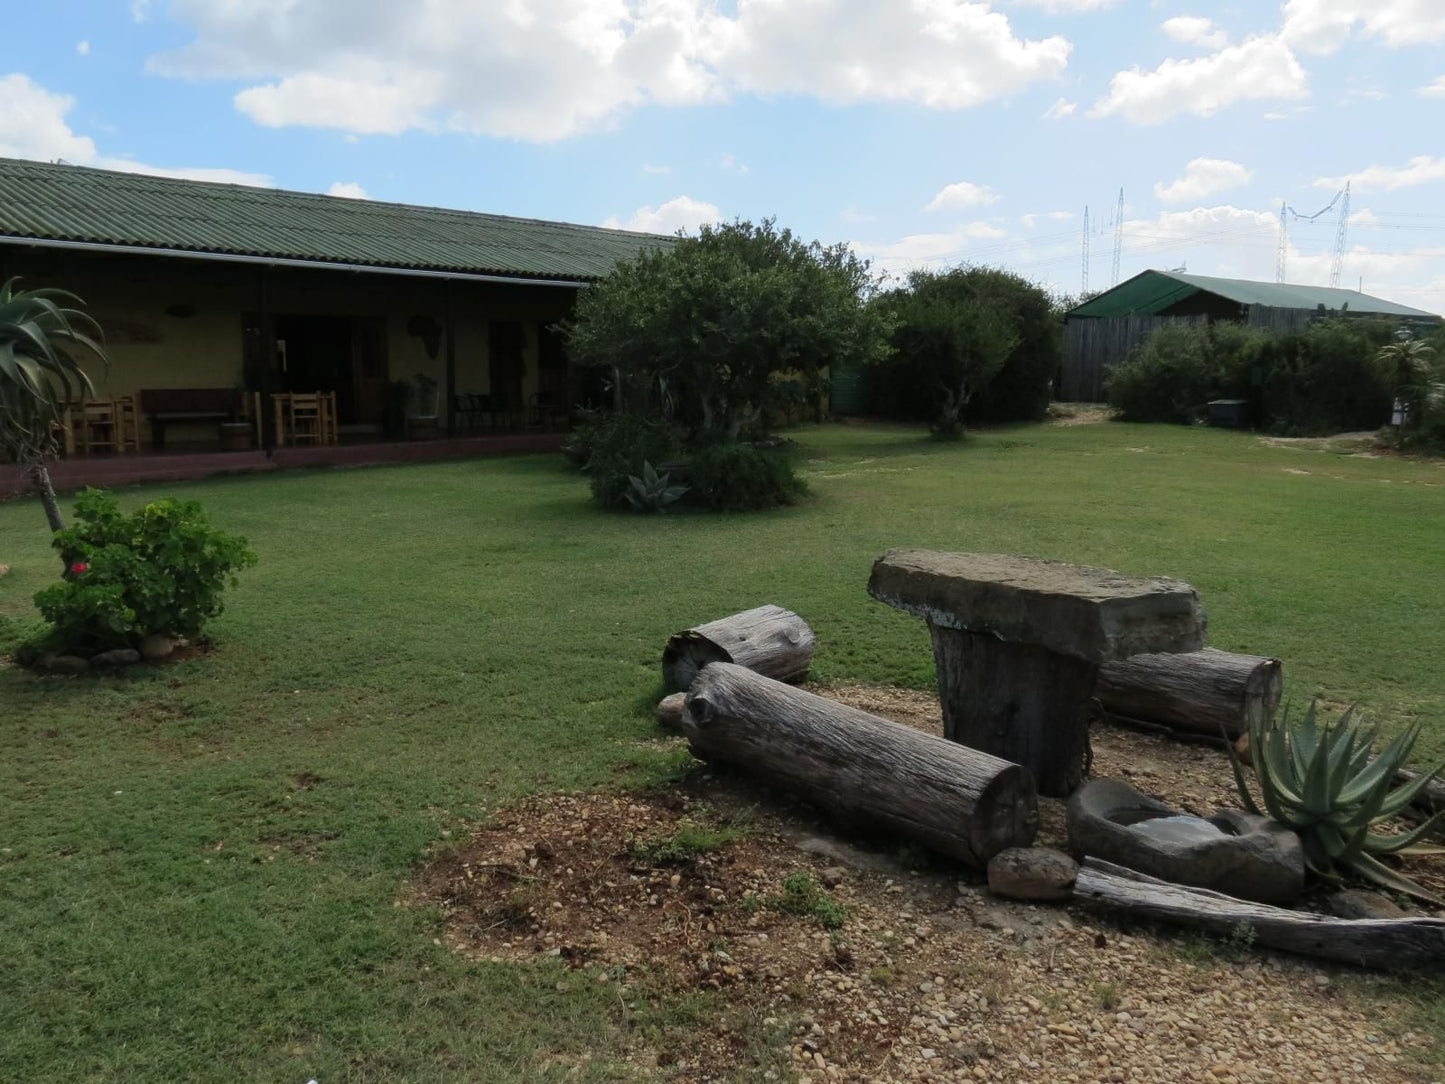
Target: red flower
[{"x": 79, "y": 566}]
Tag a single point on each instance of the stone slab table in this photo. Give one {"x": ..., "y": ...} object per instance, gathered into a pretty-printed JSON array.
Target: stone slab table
[{"x": 1018, "y": 641}]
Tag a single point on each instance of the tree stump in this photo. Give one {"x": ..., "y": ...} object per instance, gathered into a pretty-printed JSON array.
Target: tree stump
[
  {"x": 1018, "y": 641},
  {"x": 1209, "y": 692},
  {"x": 770, "y": 640},
  {"x": 954, "y": 800}
]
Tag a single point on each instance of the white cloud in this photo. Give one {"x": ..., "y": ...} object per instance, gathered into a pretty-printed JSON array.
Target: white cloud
[
  {"x": 963, "y": 194},
  {"x": 1423, "y": 169},
  {"x": 1260, "y": 67},
  {"x": 682, "y": 213},
  {"x": 83, "y": 48},
  {"x": 541, "y": 70},
  {"x": 1322, "y": 26},
  {"x": 33, "y": 126},
  {"x": 1433, "y": 90},
  {"x": 140, "y": 10},
  {"x": 1364, "y": 218},
  {"x": 926, "y": 249},
  {"x": 657, "y": 171},
  {"x": 1066, "y": 7},
  {"x": 1276, "y": 116},
  {"x": 1195, "y": 30},
  {"x": 347, "y": 190},
  {"x": 1061, "y": 108},
  {"x": 1203, "y": 177},
  {"x": 732, "y": 165}
]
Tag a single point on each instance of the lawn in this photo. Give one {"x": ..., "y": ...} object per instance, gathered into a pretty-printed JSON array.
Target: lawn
[{"x": 202, "y": 865}]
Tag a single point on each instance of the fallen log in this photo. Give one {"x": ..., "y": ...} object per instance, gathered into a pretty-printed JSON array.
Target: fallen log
[
  {"x": 1198, "y": 692},
  {"x": 1382, "y": 943},
  {"x": 952, "y": 799},
  {"x": 774, "y": 642}
]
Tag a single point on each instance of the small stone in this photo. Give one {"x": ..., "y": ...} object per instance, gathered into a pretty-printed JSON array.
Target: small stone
[
  {"x": 155, "y": 647},
  {"x": 1032, "y": 873},
  {"x": 832, "y": 877},
  {"x": 120, "y": 656},
  {"x": 1360, "y": 903}
]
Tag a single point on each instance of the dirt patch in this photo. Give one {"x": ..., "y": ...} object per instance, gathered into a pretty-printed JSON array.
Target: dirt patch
[
  {"x": 824, "y": 959},
  {"x": 1079, "y": 413}
]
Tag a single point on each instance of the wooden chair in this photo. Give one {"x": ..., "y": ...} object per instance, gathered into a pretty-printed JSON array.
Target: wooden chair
[
  {"x": 306, "y": 418},
  {"x": 127, "y": 425},
  {"x": 329, "y": 431},
  {"x": 99, "y": 426}
]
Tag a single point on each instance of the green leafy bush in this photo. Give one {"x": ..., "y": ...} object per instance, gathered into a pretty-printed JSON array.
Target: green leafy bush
[
  {"x": 1174, "y": 373},
  {"x": 736, "y": 475},
  {"x": 1327, "y": 379},
  {"x": 620, "y": 445},
  {"x": 160, "y": 570}
]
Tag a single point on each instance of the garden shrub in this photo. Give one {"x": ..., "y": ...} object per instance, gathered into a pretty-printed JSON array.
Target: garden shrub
[
  {"x": 160, "y": 570},
  {"x": 1327, "y": 379},
  {"x": 736, "y": 475},
  {"x": 1170, "y": 377},
  {"x": 620, "y": 445}
]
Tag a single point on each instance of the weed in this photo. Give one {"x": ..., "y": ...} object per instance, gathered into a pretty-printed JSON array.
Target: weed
[
  {"x": 883, "y": 976},
  {"x": 1107, "y": 996},
  {"x": 689, "y": 841},
  {"x": 803, "y": 895}
]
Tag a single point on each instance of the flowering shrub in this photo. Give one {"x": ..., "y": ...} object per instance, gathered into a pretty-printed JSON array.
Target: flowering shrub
[{"x": 160, "y": 570}]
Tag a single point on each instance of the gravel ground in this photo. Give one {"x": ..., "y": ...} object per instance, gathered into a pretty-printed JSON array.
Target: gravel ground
[{"x": 879, "y": 965}]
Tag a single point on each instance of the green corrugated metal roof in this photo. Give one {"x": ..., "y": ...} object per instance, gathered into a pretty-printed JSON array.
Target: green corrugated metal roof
[
  {"x": 1154, "y": 291},
  {"x": 75, "y": 203}
]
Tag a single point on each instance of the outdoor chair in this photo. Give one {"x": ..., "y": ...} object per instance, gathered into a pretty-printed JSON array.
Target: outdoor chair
[{"x": 306, "y": 421}]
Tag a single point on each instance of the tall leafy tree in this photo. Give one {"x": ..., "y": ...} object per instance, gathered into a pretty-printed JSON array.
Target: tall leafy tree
[
  {"x": 700, "y": 329},
  {"x": 1410, "y": 370},
  {"x": 40, "y": 378},
  {"x": 953, "y": 331}
]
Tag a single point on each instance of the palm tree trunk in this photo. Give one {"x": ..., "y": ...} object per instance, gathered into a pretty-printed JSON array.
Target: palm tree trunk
[{"x": 40, "y": 478}]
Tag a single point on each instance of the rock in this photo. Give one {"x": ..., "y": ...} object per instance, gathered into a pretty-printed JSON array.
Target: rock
[
  {"x": 1094, "y": 614},
  {"x": 1233, "y": 852},
  {"x": 121, "y": 656},
  {"x": 1361, "y": 903},
  {"x": 155, "y": 647},
  {"x": 832, "y": 877},
  {"x": 66, "y": 664},
  {"x": 1032, "y": 873}
]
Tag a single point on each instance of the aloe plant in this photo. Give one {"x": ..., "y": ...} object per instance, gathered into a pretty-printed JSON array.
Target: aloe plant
[
  {"x": 40, "y": 379},
  {"x": 1322, "y": 782},
  {"x": 653, "y": 492}
]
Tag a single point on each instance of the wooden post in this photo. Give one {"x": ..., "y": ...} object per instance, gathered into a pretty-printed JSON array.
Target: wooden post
[
  {"x": 267, "y": 354},
  {"x": 953, "y": 799},
  {"x": 451, "y": 333}
]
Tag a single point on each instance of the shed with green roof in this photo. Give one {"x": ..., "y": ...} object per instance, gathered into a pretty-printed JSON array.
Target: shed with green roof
[{"x": 1101, "y": 331}]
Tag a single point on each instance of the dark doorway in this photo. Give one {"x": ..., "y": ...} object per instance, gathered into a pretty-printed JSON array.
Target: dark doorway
[
  {"x": 505, "y": 344},
  {"x": 341, "y": 354},
  {"x": 551, "y": 368}
]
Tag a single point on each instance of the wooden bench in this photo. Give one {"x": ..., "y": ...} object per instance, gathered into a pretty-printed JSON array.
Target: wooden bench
[{"x": 163, "y": 405}]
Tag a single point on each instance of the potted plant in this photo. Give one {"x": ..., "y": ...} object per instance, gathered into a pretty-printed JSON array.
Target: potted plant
[
  {"x": 235, "y": 433},
  {"x": 423, "y": 424}
]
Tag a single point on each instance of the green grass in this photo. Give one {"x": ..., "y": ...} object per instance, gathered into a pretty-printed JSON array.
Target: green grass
[{"x": 200, "y": 864}]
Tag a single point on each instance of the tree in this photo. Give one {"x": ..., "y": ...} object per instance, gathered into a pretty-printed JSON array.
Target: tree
[
  {"x": 40, "y": 380},
  {"x": 952, "y": 334},
  {"x": 699, "y": 331},
  {"x": 1411, "y": 375}
]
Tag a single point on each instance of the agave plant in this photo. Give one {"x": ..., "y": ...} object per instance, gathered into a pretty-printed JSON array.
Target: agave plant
[
  {"x": 1322, "y": 782},
  {"x": 39, "y": 377},
  {"x": 653, "y": 492}
]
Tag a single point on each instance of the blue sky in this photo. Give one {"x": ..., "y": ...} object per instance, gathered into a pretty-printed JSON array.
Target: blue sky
[{"x": 925, "y": 132}]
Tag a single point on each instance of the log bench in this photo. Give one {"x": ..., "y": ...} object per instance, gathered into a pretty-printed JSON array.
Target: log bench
[{"x": 1018, "y": 641}]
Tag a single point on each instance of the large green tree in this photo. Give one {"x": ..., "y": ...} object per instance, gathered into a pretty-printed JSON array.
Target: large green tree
[
  {"x": 953, "y": 332},
  {"x": 700, "y": 330},
  {"x": 40, "y": 378}
]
